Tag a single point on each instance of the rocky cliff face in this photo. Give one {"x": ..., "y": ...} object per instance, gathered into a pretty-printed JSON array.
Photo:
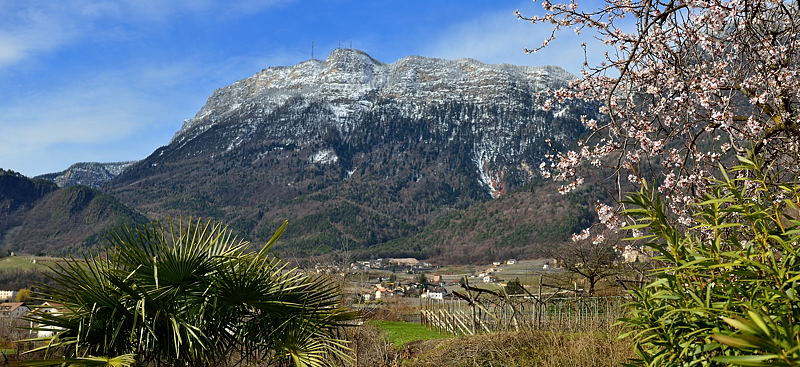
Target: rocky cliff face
[
  {"x": 494, "y": 106},
  {"x": 353, "y": 151},
  {"x": 89, "y": 174}
]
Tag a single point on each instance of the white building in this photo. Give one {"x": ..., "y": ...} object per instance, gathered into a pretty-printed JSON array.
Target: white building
[
  {"x": 52, "y": 308},
  {"x": 7, "y": 295},
  {"x": 437, "y": 293}
]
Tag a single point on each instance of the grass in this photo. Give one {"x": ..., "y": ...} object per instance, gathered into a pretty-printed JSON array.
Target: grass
[
  {"x": 26, "y": 262},
  {"x": 400, "y": 333},
  {"x": 594, "y": 346},
  {"x": 591, "y": 348},
  {"x": 18, "y": 263},
  {"x": 456, "y": 269}
]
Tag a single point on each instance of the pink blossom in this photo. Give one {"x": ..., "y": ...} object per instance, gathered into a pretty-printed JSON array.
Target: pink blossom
[
  {"x": 691, "y": 82},
  {"x": 576, "y": 237}
]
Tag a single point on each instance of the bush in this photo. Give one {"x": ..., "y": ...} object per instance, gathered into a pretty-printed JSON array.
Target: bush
[
  {"x": 23, "y": 295},
  {"x": 369, "y": 347},
  {"x": 727, "y": 293}
]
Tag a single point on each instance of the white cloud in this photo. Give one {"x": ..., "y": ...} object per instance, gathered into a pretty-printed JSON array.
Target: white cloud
[
  {"x": 33, "y": 27},
  {"x": 101, "y": 110},
  {"x": 26, "y": 31},
  {"x": 501, "y": 37},
  {"x": 116, "y": 115}
]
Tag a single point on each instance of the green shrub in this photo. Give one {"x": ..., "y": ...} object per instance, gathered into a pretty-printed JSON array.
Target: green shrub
[{"x": 727, "y": 293}]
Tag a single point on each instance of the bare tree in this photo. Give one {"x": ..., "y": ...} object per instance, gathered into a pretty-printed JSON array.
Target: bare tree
[{"x": 592, "y": 259}]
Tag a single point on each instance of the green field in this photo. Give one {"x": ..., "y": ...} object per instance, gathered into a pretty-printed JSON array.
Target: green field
[
  {"x": 27, "y": 262},
  {"x": 400, "y": 332}
]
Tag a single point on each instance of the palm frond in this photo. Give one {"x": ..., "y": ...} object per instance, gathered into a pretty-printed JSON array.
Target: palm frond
[
  {"x": 192, "y": 292},
  {"x": 126, "y": 360}
]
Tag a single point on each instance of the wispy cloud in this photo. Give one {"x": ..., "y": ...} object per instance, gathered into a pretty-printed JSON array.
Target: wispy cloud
[
  {"x": 36, "y": 131},
  {"x": 26, "y": 31},
  {"x": 114, "y": 115},
  {"x": 501, "y": 37},
  {"x": 35, "y": 27}
]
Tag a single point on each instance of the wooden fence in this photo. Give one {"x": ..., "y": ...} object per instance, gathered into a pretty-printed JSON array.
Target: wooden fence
[
  {"x": 460, "y": 317},
  {"x": 475, "y": 310}
]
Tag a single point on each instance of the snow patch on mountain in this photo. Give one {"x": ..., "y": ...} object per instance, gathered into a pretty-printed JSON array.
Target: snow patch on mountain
[
  {"x": 493, "y": 107},
  {"x": 90, "y": 174},
  {"x": 489, "y": 176},
  {"x": 325, "y": 156},
  {"x": 349, "y": 78}
]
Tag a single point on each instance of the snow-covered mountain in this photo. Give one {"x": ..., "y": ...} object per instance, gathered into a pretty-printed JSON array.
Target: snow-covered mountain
[
  {"x": 90, "y": 174},
  {"x": 350, "y": 85},
  {"x": 355, "y": 150},
  {"x": 349, "y": 82}
]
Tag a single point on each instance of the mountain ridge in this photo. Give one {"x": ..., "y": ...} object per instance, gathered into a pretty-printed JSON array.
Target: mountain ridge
[
  {"x": 357, "y": 151},
  {"x": 91, "y": 174},
  {"x": 358, "y": 155},
  {"x": 349, "y": 75},
  {"x": 36, "y": 216}
]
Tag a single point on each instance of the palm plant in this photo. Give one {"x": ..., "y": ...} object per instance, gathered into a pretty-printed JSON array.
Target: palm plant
[{"x": 190, "y": 294}]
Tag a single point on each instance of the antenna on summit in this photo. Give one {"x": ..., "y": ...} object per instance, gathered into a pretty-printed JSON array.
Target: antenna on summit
[{"x": 312, "y": 50}]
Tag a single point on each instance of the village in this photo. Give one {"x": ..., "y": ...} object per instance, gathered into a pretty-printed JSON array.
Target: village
[
  {"x": 375, "y": 281},
  {"x": 402, "y": 289},
  {"x": 15, "y": 326},
  {"x": 369, "y": 282}
]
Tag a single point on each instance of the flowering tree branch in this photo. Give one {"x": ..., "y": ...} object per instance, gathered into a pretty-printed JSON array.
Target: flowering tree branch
[{"x": 695, "y": 83}]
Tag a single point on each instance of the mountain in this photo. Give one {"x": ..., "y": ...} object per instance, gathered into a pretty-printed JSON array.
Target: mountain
[
  {"x": 19, "y": 193},
  {"x": 355, "y": 152},
  {"x": 36, "y": 216},
  {"x": 531, "y": 222},
  {"x": 90, "y": 174}
]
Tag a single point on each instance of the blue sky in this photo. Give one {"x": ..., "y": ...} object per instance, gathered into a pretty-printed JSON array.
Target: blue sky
[{"x": 110, "y": 80}]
